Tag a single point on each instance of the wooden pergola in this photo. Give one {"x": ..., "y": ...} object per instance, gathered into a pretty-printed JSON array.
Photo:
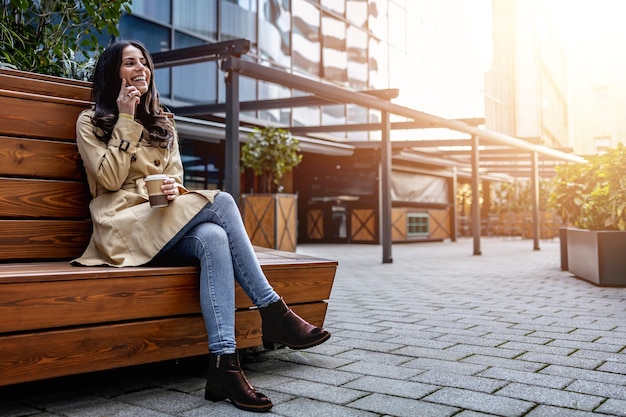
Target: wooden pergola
[{"x": 319, "y": 93}]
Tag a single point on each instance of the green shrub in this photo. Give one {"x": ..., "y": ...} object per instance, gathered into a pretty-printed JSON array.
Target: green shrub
[{"x": 593, "y": 195}]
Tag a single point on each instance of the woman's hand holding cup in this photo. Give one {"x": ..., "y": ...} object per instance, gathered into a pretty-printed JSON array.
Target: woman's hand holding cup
[{"x": 170, "y": 188}]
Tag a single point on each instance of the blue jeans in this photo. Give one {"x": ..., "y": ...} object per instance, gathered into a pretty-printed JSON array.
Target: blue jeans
[{"x": 217, "y": 239}]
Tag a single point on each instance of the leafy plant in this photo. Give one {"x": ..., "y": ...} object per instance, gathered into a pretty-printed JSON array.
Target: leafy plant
[
  {"x": 270, "y": 153},
  {"x": 513, "y": 197},
  {"x": 569, "y": 191},
  {"x": 593, "y": 195},
  {"x": 6, "y": 65},
  {"x": 78, "y": 69},
  {"x": 516, "y": 196},
  {"x": 41, "y": 35}
]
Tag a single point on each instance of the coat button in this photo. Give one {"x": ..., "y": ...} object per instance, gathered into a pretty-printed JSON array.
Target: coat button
[{"x": 157, "y": 162}]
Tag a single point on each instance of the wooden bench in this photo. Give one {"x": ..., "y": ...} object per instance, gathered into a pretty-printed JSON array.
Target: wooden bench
[{"x": 58, "y": 319}]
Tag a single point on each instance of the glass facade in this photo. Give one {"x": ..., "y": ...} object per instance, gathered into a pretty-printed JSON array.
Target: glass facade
[
  {"x": 352, "y": 43},
  {"x": 196, "y": 17},
  {"x": 275, "y": 33},
  {"x": 358, "y": 44},
  {"x": 305, "y": 33}
]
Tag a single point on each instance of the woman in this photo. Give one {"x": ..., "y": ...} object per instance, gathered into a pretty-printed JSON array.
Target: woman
[{"x": 123, "y": 139}]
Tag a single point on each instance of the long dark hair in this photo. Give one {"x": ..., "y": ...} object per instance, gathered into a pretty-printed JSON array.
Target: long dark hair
[{"x": 106, "y": 88}]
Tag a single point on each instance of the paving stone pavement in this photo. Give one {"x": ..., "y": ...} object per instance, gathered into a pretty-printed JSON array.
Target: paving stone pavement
[{"x": 438, "y": 332}]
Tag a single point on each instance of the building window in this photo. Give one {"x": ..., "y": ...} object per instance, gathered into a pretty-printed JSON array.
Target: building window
[
  {"x": 378, "y": 64},
  {"x": 238, "y": 20},
  {"x": 306, "y": 38},
  {"x": 417, "y": 224},
  {"x": 275, "y": 32},
  {"x": 334, "y": 56},
  {"x": 155, "y": 37},
  {"x": 196, "y": 83},
  {"x": 157, "y": 10},
  {"x": 356, "y": 46},
  {"x": 337, "y": 7},
  {"x": 196, "y": 16}
]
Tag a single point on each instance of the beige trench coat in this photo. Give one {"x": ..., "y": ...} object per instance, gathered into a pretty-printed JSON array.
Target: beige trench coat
[{"x": 126, "y": 230}]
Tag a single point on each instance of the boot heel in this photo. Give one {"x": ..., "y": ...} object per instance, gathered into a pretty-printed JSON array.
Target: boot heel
[
  {"x": 225, "y": 380},
  {"x": 214, "y": 396},
  {"x": 268, "y": 345}
]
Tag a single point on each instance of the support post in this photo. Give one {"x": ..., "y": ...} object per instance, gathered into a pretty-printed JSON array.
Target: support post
[
  {"x": 231, "y": 165},
  {"x": 475, "y": 196},
  {"x": 535, "y": 197},
  {"x": 454, "y": 221},
  {"x": 385, "y": 188}
]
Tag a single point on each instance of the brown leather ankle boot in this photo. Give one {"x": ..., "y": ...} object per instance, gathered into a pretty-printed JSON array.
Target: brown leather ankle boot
[
  {"x": 284, "y": 327},
  {"x": 226, "y": 380}
]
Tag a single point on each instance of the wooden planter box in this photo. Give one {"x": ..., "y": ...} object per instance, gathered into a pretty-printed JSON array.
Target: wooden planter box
[
  {"x": 271, "y": 220},
  {"x": 597, "y": 256}
]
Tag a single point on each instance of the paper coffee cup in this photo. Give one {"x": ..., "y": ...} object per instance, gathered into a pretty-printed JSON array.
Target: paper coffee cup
[{"x": 153, "y": 184}]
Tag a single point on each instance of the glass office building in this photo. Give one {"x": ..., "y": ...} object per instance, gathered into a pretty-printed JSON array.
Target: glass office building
[
  {"x": 356, "y": 44},
  {"x": 352, "y": 43}
]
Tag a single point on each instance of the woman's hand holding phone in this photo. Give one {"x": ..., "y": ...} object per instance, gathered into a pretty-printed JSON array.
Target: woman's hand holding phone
[{"x": 128, "y": 98}]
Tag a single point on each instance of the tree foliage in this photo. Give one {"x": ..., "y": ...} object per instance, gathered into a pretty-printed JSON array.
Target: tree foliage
[{"x": 54, "y": 36}]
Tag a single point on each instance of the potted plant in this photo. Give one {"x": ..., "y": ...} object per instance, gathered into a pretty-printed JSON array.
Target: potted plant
[
  {"x": 591, "y": 199},
  {"x": 270, "y": 215}
]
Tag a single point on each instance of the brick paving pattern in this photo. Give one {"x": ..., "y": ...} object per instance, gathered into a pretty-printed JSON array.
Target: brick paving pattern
[{"x": 439, "y": 332}]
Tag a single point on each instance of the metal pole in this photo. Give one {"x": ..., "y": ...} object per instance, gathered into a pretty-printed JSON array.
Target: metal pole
[
  {"x": 231, "y": 165},
  {"x": 475, "y": 196},
  {"x": 454, "y": 221},
  {"x": 535, "y": 197},
  {"x": 385, "y": 188}
]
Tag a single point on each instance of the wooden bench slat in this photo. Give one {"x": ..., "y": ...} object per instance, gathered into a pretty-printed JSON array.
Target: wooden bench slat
[
  {"x": 36, "y": 356},
  {"x": 55, "y": 271},
  {"x": 29, "y": 357},
  {"x": 70, "y": 303},
  {"x": 39, "y": 158},
  {"x": 24, "y": 272},
  {"x": 32, "y": 198},
  {"x": 29, "y": 82},
  {"x": 27, "y": 75},
  {"x": 296, "y": 285},
  {"x": 133, "y": 294},
  {"x": 43, "y": 239},
  {"x": 30, "y": 115}
]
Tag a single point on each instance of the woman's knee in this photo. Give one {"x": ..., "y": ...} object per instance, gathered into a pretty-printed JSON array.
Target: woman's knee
[
  {"x": 209, "y": 237},
  {"x": 225, "y": 199},
  {"x": 212, "y": 232}
]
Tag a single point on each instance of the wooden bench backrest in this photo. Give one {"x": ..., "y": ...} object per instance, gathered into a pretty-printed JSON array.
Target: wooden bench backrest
[{"x": 44, "y": 197}]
